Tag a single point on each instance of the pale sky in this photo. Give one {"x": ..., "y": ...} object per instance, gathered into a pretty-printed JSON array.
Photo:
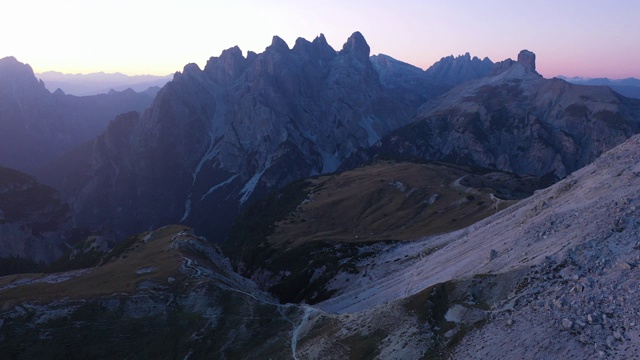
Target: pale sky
[{"x": 570, "y": 37}]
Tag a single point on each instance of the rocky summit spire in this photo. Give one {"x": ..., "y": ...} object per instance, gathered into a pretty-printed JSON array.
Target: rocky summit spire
[
  {"x": 528, "y": 59},
  {"x": 356, "y": 45},
  {"x": 278, "y": 44}
]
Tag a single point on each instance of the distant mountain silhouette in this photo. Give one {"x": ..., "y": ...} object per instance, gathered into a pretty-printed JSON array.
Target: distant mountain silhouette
[
  {"x": 99, "y": 83},
  {"x": 629, "y": 87},
  {"x": 453, "y": 71},
  {"x": 218, "y": 138},
  {"x": 415, "y": 86},
  {"x": 36, "y": 126}
]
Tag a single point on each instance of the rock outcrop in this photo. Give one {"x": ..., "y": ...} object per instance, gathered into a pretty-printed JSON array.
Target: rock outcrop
[
  {"x": 165, "y": 290},
  {"x": 35, "y": 222},
  {"x": 528, "y": 59}
]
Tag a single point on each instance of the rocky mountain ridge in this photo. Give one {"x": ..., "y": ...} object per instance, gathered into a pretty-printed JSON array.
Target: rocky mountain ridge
[
  {"x": 38, "y": 126},
  {"x": 629, "y": 87},
  {"x": 219, "y": 137},
  {"x": 515, "y": 120},
  {"x": 99, "y": 83},
  {"x": 553, "y": 273},
  {"x": 453, "y": 71}
]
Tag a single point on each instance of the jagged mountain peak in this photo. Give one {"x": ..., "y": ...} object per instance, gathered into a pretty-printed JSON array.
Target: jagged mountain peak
[
  {"x": 515, "y": 120},
  {"x": 10, "y": 62},
  {"x": 301, "y": 43},
  {"x": 11, "y": 68},
  {"x": 232, "y": 53},
  {"x": 317, "y": 49},
  {"x": 227, "y": 66},
  {"x": 278, "y": 44},
  {"x": 320, "y": 39},
  {"x": 191, "y": 69},
  {"x": 244, "y": 126},
  {"x": 525, "y": 66},
  {"x": 357, "y": 45},
  {"x": 17, "y": 77},
  {"x": 528, "y": 59},
  {"x": 456, "y": 70}
]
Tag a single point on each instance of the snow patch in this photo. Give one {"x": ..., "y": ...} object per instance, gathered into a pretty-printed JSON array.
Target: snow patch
[
  {"x": 219, "y": 118},
  {"x": 399, "y": 185},
  {"x": 146, "y": 270},
  {"x": 250, "y": 186},
  {"x": 214, "y": 188},
  {"x": 187, "y": 209},
  {"x": 372, "y": 134},
  {"x": 330, "y": 162}
]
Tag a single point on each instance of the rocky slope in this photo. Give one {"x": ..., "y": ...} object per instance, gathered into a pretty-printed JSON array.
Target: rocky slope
[
  {"x": 219, "y": 137},
  {"x": 551, "y": 276},
  {"x": 517, "y": 121},
  {"x": 554, "y": 274},
  {"x": 34, "y": 221},
  {"x": 37, "y": 125},
  {"x": 162, "y": 294},
  {"x": 292, "y": 242},
  {"x": 414, "y": 86}
]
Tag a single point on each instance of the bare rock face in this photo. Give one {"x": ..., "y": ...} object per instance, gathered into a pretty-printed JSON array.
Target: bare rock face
[
  {"x": 357, "y": 46},
  {"x": 33, "y": 218},
  {"x": 452, "y": 71},
  {"x": 217, "y": 138},
  {"x": 528, "y": 59},
  {"x": 500, "y": 67},
  {"x": 518, "y": 121}
]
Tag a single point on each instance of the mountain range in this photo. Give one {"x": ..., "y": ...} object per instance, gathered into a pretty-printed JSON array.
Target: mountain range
[
  {"x": 38, "y": 126},
  {"x": 325, "y": 204},
  {"x": 629, "y": 87},
  {"x": 216, "y": 139},
  {"x": 515, "y": 120},
  {"x": 99, "y": 83},
  {"x": 554, "y": 273}
]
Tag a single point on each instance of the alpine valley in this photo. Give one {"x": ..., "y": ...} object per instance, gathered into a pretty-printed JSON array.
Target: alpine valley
[{"x": 313, "y": 203}]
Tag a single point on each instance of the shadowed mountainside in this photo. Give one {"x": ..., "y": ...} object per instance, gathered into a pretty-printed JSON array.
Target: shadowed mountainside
[
  {"x": 216, "y": 139},
  {"x": 38, "y": 126},
  {"x": 99, "y": 83},
  {"x": 324, "y": 225},
  {"x": 517, "y": 121},
  {"x": 35, "y": 222},
  {"x": 558, "y": 268},
  {"x": 160, "y": 294}
]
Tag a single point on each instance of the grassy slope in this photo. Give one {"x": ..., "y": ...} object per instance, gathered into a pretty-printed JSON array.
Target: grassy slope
[
  {"x": 118, "y": 275},
  {"x": 326, "y": 223},
  {"x": 386, "y": 201}
]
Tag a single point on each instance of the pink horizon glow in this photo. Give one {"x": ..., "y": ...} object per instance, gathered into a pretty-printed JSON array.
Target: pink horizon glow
[{"x": 572, "y": 38}]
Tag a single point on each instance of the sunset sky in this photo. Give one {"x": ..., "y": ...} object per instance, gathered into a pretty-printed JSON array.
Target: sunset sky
[{"x": 570, "y": 37}]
